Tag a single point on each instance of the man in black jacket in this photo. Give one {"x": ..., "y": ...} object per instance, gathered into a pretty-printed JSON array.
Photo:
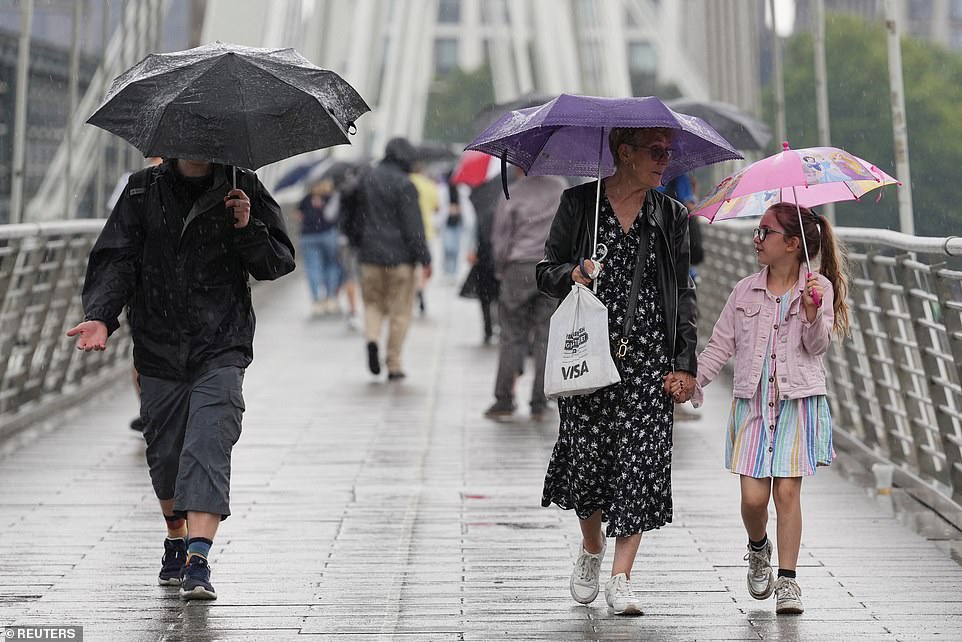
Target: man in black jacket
[
  {"x": 384, "y": 223},
  {"x": 177, "y": 251}
]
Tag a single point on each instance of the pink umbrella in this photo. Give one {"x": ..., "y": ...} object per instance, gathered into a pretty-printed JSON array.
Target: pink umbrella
[
  {"x": 807, "y": 177},
  {"x": 475, "y": 168}
]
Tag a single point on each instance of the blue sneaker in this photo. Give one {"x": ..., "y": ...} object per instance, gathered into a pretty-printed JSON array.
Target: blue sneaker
[
  {"x": 172, "y": 564},
  {"x": 195, "y": 583}
]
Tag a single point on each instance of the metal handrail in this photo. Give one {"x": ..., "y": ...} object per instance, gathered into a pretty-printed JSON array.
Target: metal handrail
[
  {"x": 894, "y": 385},
  {"x": 41, "y": 275}
]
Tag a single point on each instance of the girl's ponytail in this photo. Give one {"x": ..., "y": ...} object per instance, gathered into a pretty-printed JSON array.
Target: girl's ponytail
[{"x": 834, "y": 267}]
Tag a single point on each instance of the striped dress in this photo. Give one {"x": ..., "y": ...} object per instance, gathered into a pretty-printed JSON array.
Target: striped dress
[{"x": 772, "y": 437}]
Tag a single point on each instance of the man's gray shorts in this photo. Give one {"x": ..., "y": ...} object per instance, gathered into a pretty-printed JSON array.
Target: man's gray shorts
[{"x": 190, "y": 430}]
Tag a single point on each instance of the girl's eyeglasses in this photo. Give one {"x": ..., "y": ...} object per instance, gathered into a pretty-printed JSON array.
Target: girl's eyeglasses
[
  {"x": 761, "y": 233},
  {"x": 658, "y": 152}
]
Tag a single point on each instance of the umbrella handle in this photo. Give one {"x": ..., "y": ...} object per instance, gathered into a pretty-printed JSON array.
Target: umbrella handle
[{"x": 815, "y": 298}]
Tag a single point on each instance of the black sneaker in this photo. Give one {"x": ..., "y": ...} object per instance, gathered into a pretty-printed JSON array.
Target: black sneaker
[
  {"x": 373, "y": 362},
  {"x": 195, "y": 584},
  {"x": 395, "y": 376},
  {"x": 172, "y": 565}
]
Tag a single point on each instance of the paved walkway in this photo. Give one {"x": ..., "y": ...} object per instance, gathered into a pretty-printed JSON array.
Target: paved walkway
[{"x": 368, "y": 510}]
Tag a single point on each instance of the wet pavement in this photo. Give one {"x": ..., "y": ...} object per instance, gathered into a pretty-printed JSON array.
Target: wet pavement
[{"x": 370, "y": 510}]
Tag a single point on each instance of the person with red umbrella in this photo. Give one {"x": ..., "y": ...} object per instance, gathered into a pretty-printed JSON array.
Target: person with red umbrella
[{"x": 778, "y": 323}]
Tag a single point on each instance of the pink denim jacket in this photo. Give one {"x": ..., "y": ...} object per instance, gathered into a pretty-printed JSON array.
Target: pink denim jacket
[{"x": 745, "y": 328}]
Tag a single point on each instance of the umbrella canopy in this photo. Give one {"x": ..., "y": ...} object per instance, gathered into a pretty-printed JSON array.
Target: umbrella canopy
[
  {"x": 806, "y": 177},
  {"x": 475, "y": 168},
  {"x": 490, "y": 113},
  {"x": 809, "y": 177},
  {"x": 230, "y": 104},
  {"x": 742, "y": 130},
  {"x": 568, "y": 136}
]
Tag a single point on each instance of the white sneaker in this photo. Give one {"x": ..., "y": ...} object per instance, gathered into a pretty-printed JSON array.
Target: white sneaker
[
  {"x": 761, "y": 579},
  {"x": 620, "y": 598},
  {"x": 788, "y": 597},
  {"x": 585, "y": 576}
]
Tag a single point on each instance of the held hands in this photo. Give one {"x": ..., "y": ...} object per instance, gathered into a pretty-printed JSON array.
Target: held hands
[
  {"x": 812, "y": 296},
  {"x": 91, "y": 335},
  {"x": 241, "y": 204},
  {"x": 584, "y": 277},
  {"x": 680, "y": 385}
]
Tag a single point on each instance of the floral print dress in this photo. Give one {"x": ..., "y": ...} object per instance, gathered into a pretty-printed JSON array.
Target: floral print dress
[{"x": 614, "y": 446}]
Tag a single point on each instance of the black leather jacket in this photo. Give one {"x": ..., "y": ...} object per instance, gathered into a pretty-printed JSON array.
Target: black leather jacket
[{"x": 571, "y": 238}]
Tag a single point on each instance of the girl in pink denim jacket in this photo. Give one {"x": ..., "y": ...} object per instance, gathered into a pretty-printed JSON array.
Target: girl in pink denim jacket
[{"x": 780, "y": 428}]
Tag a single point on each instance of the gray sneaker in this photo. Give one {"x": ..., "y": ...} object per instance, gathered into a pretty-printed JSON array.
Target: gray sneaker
[
  {"x": 788, "y": 597},
  {"x": 761, "y": 579},
  {"x": 584, "y": 576}
]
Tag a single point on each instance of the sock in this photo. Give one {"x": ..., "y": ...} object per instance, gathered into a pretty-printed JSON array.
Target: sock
[
  {"x": 784, "y": 572},
  {"x": 760, "y": 544},
  {"x": 176, "y": 527},
  {"x": 198, "y": 546}
]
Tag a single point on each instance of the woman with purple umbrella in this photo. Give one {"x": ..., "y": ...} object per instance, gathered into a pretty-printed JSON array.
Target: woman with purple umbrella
[
  {"x": 777, "y": 324},
  {"x": 612, "y": 460}
]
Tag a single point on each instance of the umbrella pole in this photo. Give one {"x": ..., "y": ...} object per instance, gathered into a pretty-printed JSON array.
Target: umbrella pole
[
  {"x": 594, "y": 249},
  {"x": 234, "y": 178},
  {"x": 801, "y": 227}
]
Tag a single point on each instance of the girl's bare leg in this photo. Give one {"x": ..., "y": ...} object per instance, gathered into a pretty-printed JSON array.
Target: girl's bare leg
[
  {"x": 755, "y": 496},
  {"x": 788, "y": 508}
]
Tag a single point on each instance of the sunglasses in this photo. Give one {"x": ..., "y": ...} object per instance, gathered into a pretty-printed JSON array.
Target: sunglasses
[
  {"x": 658, "y": 152},
  {"x": 761, "y": 233}
]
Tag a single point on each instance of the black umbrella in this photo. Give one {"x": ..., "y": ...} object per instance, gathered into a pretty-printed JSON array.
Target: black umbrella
[
  {"x": 229, "y": 104},
  {"x": 740, "y": 129}
]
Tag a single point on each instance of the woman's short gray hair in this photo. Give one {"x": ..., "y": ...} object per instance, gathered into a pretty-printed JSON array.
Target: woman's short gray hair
[{"x": 619, "y": 136}]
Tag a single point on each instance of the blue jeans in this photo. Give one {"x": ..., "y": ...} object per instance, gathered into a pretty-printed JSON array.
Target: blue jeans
[
  {"x": 320, "y": 263},
  {"x": 451, "y": 242}
]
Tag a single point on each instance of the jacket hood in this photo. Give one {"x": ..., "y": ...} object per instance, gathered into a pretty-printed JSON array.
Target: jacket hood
[{"x": 400, "y": 152}]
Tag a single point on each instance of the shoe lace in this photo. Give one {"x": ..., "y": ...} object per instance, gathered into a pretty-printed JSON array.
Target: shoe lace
[
  {"x": 788, "y": 590},
  {"x": 588, "y": 566},
  {"x": 757, "y": 561},
  {"x": 622, "y": 586}
]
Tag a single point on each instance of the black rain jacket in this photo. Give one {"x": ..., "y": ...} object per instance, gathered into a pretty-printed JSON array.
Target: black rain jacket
[
  {"x": 383, "y": 219},
  {"x": 184, "y": 279},
  {"x": 571, "y": 238}
]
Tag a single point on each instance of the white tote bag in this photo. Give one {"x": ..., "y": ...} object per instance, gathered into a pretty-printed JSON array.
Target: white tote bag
[{"x": 579, "y": 357}]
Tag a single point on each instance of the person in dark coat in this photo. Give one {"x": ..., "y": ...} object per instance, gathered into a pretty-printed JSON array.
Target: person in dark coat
[
  {"x": 178, "y": 251},
  {"x": 481, "y": 281},
  {"x": 384, "y": 223}
]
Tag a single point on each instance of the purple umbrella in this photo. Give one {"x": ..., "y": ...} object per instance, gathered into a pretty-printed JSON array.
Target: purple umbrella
[{"x": 568, "y": 136}]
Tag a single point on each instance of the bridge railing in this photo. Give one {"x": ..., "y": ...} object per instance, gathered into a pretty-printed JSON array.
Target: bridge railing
[
  {"x": 894, "y": 385},
  {"x": 41, "y": 275}
]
